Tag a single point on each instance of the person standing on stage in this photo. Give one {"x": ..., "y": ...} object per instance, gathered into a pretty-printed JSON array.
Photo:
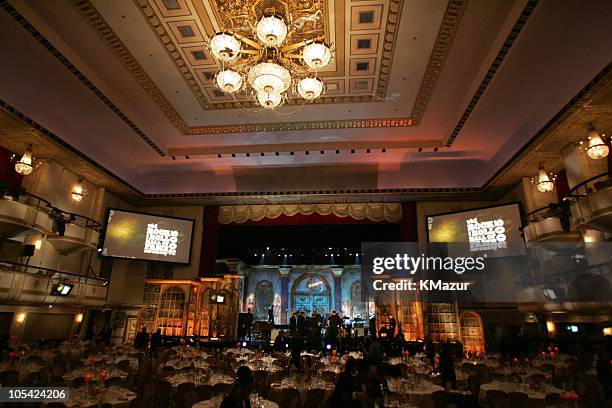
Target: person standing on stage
[
  {"x": 271, "y": 314},
  {"x": 248, "y": 323},
  {"x": 333, "y": 323},
  {"x": 292, "y": 323}
]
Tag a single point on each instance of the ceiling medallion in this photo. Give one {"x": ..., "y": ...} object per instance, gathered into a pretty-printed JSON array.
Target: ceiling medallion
[{"x": 270, "y": 56}]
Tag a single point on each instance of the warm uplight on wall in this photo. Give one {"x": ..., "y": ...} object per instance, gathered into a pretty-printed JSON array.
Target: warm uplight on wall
[
  {"x": 21, "y": 317},
  {"x": 24, "y": 166},
  {"x": 78, "y": 191},
  {"x": 78, "y": 317},
  {"x": 38, "y": 244},
  {"x": 607, "y": 331},
  {"x": 596, "y": 148},
  {"x": 544, "y": 182},
  {"x": 551, "y": 327}
]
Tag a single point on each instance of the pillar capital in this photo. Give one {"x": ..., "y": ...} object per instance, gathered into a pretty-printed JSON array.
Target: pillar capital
[
  {"x": 337, "y": 271},
  {"x": 284, "y": 270}
]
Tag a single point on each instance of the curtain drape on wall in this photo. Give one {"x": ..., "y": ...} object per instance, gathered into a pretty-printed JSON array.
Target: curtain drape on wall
[{"x": 391, "y": 212}]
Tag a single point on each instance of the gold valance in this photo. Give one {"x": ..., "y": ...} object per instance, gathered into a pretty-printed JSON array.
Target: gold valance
[{"x": 391, "y": 212}]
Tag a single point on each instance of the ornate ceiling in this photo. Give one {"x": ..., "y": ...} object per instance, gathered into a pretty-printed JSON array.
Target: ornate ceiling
[{"x": 421, "y": 98}]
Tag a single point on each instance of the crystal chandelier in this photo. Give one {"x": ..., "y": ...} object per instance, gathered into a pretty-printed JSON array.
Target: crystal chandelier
[
  {"x": 597, "y": 148},
  {"x": 544, "y": 183},
  {"x": 24, "y": 166},
  {"x": 272, "y": 54},
  {"x": 78, "y": 193}
]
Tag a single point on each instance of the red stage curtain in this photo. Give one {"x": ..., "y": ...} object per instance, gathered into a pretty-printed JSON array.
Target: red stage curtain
[
  {"x": 210, "y": 240},
  {"x": 408, "y": 224}
]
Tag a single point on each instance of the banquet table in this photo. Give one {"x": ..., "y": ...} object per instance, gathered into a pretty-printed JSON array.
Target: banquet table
[
  {"x": 80, "y": 372},
  {"x": 537, "y": 394},
  {"x": 115, "y": 396},
  {"x": 303, "y": 387},
  {"x": 24, "y": 369},
  {"x": 181, "y": 378},
  {"x": 216, "y": 402},
  {"x": 415, "y": 393}
]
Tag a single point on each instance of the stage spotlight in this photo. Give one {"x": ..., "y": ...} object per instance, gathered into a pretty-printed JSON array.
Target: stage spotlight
[
  {"x": 328, "y": 346},
  {"x": 244, "y": 344}
]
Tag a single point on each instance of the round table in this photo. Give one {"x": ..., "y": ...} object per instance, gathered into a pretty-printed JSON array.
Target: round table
[
  {"x": 415, "y": 394},
  {"x": 214, "y": 403},
  {"x": 535, "y": 394},
  {"x": 115, "y": 396}
]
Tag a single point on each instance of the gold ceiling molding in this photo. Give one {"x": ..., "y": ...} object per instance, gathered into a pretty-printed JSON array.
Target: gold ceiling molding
[
  {"x": 391, "y": 212},
  {"x": 309, "y": 125},
  {"x": 446, "y": 35},
  {"x": 442, "y": 45},
  {"x": 96, "y": 21},
  {"x": 29, "y": 28},
  {"x": 562, "y": 130}
]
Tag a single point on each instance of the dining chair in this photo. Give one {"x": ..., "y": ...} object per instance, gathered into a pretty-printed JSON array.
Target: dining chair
[
  {"x": 191, "y": 398},
  {"x": 439, "y": 399},
  {"x": 181, "y": 391},
  {"x": 315, "y": 398},
  {"x": 205, "y": 390},
  {"x": 518, "y": 398},
  {"x": 291, "y": 398},
  {"x": 222, "y": 389},
  {"x": 162, "y": 393}
]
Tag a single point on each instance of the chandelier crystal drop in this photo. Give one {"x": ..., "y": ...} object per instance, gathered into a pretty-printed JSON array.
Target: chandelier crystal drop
[
  {"x": 316, "y": 55},
  {"x": 269, "y": 77},
  {"x": 24, "y": 165},
  {"x": 597, "y": 148},
  {"x": 225, "y": 47},
  {"x": 270, "y": 52},
  {"x": 544, "y": 183},
  {"x": 271, "y": 31},
  {"x": 269, "y": 100},
  {"x": 310, "y": 88},
  {"x": 229, "y": 80}
]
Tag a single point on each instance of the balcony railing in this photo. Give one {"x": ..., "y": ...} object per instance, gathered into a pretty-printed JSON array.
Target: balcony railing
[
  {"x": 45, "y": 206},
  {"x": 591, "y": 203}
]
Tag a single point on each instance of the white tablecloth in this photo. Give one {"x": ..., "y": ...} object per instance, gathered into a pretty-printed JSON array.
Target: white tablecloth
[{"x": 538, "y": 394}]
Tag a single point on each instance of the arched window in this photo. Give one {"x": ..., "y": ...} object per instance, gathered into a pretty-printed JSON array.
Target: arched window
[
  {"x": 311, "y": 293},
  {"x": 171, "y": 317},
  {"x": 264, "y": 298},
  {"x": 472, "y": 333}
]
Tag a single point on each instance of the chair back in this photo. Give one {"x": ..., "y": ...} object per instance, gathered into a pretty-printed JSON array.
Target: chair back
[
  {"x": 315, "y": 398},
  {"x": 291, "y": 398}
]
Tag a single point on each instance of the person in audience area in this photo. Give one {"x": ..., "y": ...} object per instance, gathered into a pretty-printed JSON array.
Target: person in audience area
[
  {"x": 271, "y": 314},
  {"x": 447, "y": 367},
  {"x": 106, "y": 335},
  {"x": 375, "y": 353},
  {"x": 292, "y": 323},
  {"x": 392, "y": 325},
  {"x": 604, "y": 373},
  {"x": 296, "y": 345},
  {"x": 368, "y": 387},
  {"x": 301, "y": 324},
  {"x": 5, "y": 345},
  {"x": 244, "y": 384},
  {"x": 341, "y": 396},
  {"x": 141, "y": 341},
  {"x": 280, "y": 342},
  {"x": 156, "y": 341},
  {"x": 248, "y": 323}
]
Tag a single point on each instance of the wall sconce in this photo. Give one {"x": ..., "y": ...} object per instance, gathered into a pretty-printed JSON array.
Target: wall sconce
[
  {"x": 24, "y": 166},
  {"x": 38, "y": 244},
  {"x": 78, "y": 193},
  {"x": 21, "y": 317},
  {"x": 596, "y": 148},
  {"x": 607, "y": 331},
  {"x": 551, "y": 327},
  {"x": 78, "y": 317}
]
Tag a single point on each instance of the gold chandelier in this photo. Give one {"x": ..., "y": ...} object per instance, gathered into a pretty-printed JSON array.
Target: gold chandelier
[{"x": 272, "y": 52}]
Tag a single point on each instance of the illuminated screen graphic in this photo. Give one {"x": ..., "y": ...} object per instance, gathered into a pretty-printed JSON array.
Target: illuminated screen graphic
[
  {"x": 485, "y": 229},
  {"x": 148, "y": 237}
]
